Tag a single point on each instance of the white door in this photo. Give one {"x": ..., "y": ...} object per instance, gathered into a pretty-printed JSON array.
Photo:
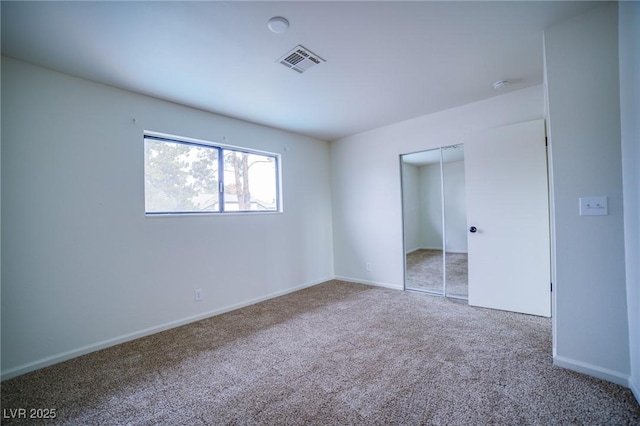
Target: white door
[{"x": 508, "y": 204}]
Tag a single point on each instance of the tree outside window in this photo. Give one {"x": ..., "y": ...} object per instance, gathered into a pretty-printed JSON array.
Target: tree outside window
[{"x": 183, "y": 177}]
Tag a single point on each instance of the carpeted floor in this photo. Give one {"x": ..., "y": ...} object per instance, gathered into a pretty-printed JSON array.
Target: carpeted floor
[
  {"x": 334, "y": 354},
  {"x": 424, "y": 272}
]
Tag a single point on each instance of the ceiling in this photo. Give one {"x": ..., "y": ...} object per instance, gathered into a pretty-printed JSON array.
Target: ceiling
[{"x": 386, "y": 61}]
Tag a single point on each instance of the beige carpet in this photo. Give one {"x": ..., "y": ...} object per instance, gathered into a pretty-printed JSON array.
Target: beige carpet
[
  {"x": 424, "y": 272},
  {"x": 333, "y": 354}
]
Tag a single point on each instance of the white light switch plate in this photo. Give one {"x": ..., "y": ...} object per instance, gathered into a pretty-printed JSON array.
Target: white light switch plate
[{"x": 593, "y": 206}]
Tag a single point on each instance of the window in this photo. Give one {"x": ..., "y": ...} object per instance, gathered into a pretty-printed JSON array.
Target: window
[{"x": 184, "y": 177}]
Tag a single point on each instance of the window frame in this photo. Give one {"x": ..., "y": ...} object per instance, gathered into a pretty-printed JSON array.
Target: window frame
[{"x": 220, "y": 148}]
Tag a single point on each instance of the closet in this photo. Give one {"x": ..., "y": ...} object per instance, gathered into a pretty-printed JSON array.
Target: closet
[
  {"x": 435, "y": 221},
  {"x": 476, "y": 220}
]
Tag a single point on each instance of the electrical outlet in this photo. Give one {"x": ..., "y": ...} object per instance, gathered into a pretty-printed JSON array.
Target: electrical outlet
[
  {"x": 593, "y": 206},
  {"x": 368, "y": 266},
  {"x": 197, "y": 295}
]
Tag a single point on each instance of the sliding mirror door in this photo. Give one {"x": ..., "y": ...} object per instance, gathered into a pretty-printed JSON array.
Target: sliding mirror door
[
  {"x": 434, "y": 218},
  {"x": 422, "y": 210},
  {"x": 455, "y": 222}
]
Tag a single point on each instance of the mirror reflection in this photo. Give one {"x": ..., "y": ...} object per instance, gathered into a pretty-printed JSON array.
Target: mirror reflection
[
  {"x": 455, "y": 223},
  {"x": 422, "y": 207},
  {"x": 434, "y": 217}
]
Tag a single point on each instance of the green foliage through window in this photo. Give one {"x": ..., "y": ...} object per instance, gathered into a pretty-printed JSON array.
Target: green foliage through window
[{"x": 186, "y": 177}]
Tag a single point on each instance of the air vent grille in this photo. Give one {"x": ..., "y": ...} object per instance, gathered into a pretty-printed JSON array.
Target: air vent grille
[{"x": 300, "y": 59}]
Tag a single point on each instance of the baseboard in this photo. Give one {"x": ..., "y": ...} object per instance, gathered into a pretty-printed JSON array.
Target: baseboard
[
  {"x": 436, "y": 248},
  {"x": 413, "y": 250},
  {"x": 428, "y": 248},
  {"x": 635, "y": 388},
  {"x": 74, "y": 353},
  {"x": 593, "y": 370},
  {"x": 373, "y": 283}
]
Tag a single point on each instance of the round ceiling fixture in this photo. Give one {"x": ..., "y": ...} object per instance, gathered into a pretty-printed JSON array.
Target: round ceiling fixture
[
  {"x": 500, "y": 84},
  {"x": 278, "y": 24}
]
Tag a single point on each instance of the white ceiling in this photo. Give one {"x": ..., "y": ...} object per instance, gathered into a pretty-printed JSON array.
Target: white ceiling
[{"x": 387, "y": 61}]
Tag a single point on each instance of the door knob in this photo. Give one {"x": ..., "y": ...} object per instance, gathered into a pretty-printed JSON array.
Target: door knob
[{"x": 473, "y": 229}]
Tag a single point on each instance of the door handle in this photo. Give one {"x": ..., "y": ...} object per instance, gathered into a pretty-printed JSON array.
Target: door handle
[{"x": 473, "y": 229}]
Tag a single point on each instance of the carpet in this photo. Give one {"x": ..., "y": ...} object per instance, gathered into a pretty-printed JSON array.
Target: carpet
[
  {"x": 334, "y": 354},
  {"x": 424, "y": 272}
]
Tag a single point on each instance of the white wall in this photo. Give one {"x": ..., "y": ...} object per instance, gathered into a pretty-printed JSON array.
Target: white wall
[
  {"x": 367, "y": 211},
  {"x": 629, "y": 51},
  {"x": 422, "y": 207},
  {"x": 431, "y": 231},
  {"x": 455, "y": 207},
  {"x": 83, "y": 268},
  {"x": 584, "y": 122},
  {"x": 430, "y": 201},
  {"x": 410, "y": 199}
]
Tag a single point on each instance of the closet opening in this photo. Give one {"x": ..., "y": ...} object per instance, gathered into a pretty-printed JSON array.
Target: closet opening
[{"x": 435, "y": 221}]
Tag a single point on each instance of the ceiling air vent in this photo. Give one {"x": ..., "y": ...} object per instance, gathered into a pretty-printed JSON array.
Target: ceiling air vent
[{"x": 300, "y": 59}]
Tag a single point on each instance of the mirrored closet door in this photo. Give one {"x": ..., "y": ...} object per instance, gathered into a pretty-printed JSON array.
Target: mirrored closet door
[{"x": 435, "y": 221}]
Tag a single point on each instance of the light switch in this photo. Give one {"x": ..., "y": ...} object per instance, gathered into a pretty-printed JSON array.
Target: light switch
[{"x": 593, "y": 206}]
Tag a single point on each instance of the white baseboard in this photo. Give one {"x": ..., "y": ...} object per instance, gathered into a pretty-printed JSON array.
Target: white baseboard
[
  {"x": 422, "y": 248},
  {"x": 593, "y": 370},
  {"x": 435, "y": 248},
  {"x": 64, "y": 356},
  {"x": 635, "y": 388},
  {"x": 412, "y": 250},
  {"x": 373, "y": 283}
]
